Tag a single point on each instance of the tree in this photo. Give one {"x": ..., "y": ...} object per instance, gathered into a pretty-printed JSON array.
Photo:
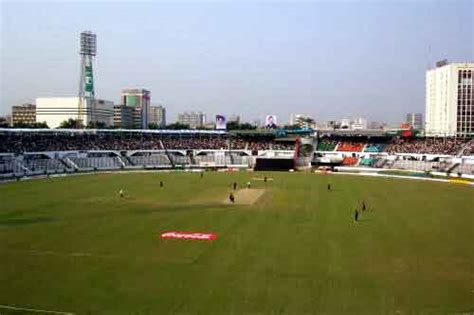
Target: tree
[
  {"x": 308, "y": 121},
  {"x": 96, "y": 125},
  {"x": 291, "y": 127},
  {"x": 203, "y": 128},
  {"x": 247, "y": 126},
  {"x": 234, "y": 125},
  {"x": 71, "y": 124},
  {"x": 4, "y": 123},
  {"x": 154, "y": 126},
  {"x": 177, "y": 126},
  {"x": 42, "y": 125}
]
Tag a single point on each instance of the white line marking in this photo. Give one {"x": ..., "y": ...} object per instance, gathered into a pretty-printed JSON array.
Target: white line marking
[{"x": 8, "y": 307}]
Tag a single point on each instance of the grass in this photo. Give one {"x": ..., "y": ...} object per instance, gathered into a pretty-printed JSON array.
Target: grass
[{"x": 71, "y": 244}]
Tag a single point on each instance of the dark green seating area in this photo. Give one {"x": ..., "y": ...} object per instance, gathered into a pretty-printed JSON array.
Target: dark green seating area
[{"x": 326, "y": 146}]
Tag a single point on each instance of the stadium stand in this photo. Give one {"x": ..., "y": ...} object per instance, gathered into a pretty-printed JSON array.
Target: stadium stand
[
  {"x": 464, "y": 169},
  {"x": 238, "y": 144},
  {"x": 350, "y": 146},
  {"x": 205, "y": 159},
  {"x": 27, "y": 152},
  {"x": 374, "y": 147},
  {"x": 366, "y": 161},
  {"x": 179, "y": 159},
  {"x": 150, "y": 160},
  {"x": 96, "y": 163},
  {"x": 10, "y": 167},
  {"x": 237, "y": 159},
  {"x": 467, "y": 148},
  {"x": 283, "y": 146},
  {"x": 17, "y": 142},
  {"x": 190, "y": 142},
  {"x": 448, "y": 146},
  {"x": 126, "y": 161},
  {"x": 42, "y": 165},
  {"x": 349, "y": 161},
  {"x": 20, "y": 142},
  {"x": 414, "y": 165},
  {"x": 326, "y": 145}
]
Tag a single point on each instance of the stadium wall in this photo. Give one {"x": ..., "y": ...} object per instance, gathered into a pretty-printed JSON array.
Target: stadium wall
[{"x": 40, "y": 163}]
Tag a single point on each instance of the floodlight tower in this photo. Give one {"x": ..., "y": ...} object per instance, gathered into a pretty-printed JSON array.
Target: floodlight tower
[{"x": 86, "y": 82}]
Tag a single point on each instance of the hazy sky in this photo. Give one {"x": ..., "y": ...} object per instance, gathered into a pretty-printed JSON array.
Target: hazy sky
[{"x": 327, "y": 59}]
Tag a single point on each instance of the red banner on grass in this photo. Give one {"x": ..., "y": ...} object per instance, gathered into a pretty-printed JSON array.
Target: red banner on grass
[{"x": 189, "y": 235}]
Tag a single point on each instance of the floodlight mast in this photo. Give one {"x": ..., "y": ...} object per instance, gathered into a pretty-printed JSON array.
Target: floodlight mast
[{"x": 88, "y": 51}]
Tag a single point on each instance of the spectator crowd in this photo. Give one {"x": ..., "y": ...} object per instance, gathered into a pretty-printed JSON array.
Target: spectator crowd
[
  {"x": 42, "y": 142},
  {"x": 19, "y": 142},
  {"x": 449, "y": 146}
]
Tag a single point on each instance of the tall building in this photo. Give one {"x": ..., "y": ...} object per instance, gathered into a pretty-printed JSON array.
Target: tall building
[
  {"x": 235, "y": 118},
  {"x": 359, "y": 124},
  {"x": 414, "y": 120},
  {"x": 55, "y": 110},
  {"x": 303, "y": 121},
  {"x": 332, "y": 124},
  {"x": 450, "y": 100},
  {"x": 123, "y": 116},
  {"x": 140, "y": 100},
  {"x": 345, "y": 123},
  {"x": 192, "y": 119},
  {"x": 257, "y": 122},
  {"x": 157, "y": 116},
  {"x": 377, "y": 125},
  {"x": 294, "y": 118},
  {"x": 24, "y": 114}
]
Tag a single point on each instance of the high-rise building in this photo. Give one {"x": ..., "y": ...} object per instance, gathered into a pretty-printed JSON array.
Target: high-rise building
[
  {"x": 257, "y": 122},
  {"x": 192, "y": 119},
  {"x": 376, "y": 125},
  {"x": 235, "y": 118},
  {"x": 24, "y": 114},
  {"x": 157, "y": 116},
  {"x": 139, "y": 99},
  {"x": 345, "y": 123},
  {"x": 123, "y": 116},
  {"x": 294, "y": 118},
  {"x": 55, "y": 110},
  {"x": 359, "y": 124},
  {"x": 302, "y": 121},
  {"x": 414, "y": 120},
  {"x": 450, "y": 100}
]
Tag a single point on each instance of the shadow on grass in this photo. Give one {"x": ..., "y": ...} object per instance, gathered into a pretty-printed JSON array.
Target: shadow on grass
[
  {"x": 181, "y": 207},
  {"x": 24, "y": 221}
]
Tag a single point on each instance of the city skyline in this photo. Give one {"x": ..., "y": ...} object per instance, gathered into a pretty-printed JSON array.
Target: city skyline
[{"x": 327, "y": 60}]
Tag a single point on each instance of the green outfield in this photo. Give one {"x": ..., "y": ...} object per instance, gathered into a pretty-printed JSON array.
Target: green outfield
[{"x": 73, "y": 245}]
